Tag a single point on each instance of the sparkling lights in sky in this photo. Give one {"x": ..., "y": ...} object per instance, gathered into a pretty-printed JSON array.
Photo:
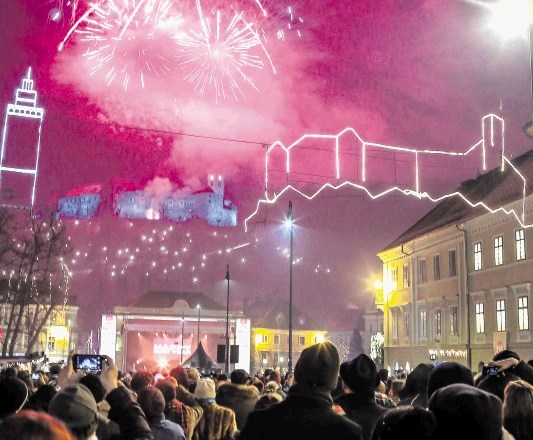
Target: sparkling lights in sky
[{"x": 213, "y": 45}]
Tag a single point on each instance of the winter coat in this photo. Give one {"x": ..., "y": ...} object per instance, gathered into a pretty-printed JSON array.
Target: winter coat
[
  {"x": 185, "y": 411},
  {"x": 362, "y": 409},
  {"x": 306, "y": 413},
  {"x": 127, "y": 413},
  {"x": 217, "y": 423},
  {"x": 240, "y": 398}
]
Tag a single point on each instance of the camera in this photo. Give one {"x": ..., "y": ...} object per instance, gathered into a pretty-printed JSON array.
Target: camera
[
  {"x": 91, "y": 363},
  {"x": 490, "y": 371},
  {"x": 35, "y": 376}
]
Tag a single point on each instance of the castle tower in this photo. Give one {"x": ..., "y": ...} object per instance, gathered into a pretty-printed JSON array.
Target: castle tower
[
  {"x": 21, "y": 144},
  {"x": 216, "y": 183}
]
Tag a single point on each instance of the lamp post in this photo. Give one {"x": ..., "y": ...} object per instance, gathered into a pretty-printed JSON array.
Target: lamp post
[
  {"x": 182, "y": 330},
  {"x": 290, "y": 224},
  {"x": 198, "y": 307},
  {"x": 226, "y": 365}
]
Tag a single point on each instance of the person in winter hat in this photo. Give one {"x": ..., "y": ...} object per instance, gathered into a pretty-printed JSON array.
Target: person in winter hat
[
  {"x": 448, "y": 373},
  {"x": 76, "y": 407},
  {"x": 467, "y": 412},
  {"x": 307, "y": 412},
  {"x": 152, "y": 403},
  {"x": 415, "y": 391},
  {"x": 13, "y": 395},
  {"x": 360, "y": 378}
]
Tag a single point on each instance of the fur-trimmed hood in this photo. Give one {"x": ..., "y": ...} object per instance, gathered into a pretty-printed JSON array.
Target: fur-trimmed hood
[{"x": 240, "y": 398}]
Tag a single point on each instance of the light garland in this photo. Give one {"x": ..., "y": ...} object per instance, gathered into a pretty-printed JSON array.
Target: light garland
[{"x": 489, "y": 124}]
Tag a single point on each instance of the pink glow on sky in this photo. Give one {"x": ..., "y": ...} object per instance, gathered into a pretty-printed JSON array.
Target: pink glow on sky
[{"x": 415, "y": 74}]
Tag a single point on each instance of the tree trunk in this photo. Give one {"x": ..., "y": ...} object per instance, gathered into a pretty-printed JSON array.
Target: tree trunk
[{"x": 37, "y": 332}]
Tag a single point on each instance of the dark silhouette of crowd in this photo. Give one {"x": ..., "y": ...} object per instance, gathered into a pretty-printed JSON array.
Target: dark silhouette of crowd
[{"x": 323, "y": 399}]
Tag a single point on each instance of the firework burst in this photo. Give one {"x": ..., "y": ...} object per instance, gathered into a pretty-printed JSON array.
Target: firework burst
[{"x": 213, "y": 46}]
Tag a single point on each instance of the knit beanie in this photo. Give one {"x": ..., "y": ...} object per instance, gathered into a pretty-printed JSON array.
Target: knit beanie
[
  {"x": 318, "y": 366},
  {"x": 448, "y": 373},
  {"x": 205, "y": 389},
  {"x": 13, "y": 395},
  {"x": 360, "y": 374},
  {"x": 152, "y": 402},
  {"x": 467, "y": 412},
  {"x": 76, "y": 407}
]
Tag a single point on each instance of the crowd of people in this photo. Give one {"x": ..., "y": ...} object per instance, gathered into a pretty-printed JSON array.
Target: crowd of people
[{"x": 323, "y": 399}]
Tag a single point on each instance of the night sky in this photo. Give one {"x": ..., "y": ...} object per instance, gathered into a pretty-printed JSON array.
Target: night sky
[{"x": 417, "y": 74}]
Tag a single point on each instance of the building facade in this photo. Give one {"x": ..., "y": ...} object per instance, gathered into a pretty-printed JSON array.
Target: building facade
[
  {"x": 208, "y": 204},
  {"x": 457, "y": 284}
]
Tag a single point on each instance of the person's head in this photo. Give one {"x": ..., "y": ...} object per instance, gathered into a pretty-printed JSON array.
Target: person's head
[
  {"x": 476, "y": 413},
  {"x": 239, "y": 376},
  {"x": 318, "y": 367},
  {"x": 140, "y": 380},
  {"x": 32, "y": 425},
  {"x": 9, "y": 372},
  {"x": 92, "y": 382},
  {"x": 271, "y": 387},
  {"x": 193, "y": 374},
  {"x": 275, "y": 376},
  {"x": 383, "y": 374},
  {"x": 416, "y": 381},
  {"x": 76, "y": 407},
  {"x": 54, "y": 370},
  {"x": 267, "y": 400},
  {"x": 152, "y": 402},
  {"x": 167, "y": 389},
  {"x": 180, "y": 374},
  {"x": 360, "y": 375},
  {"x": 25, "y": 377},
  {"x": 405, "y": 422},
  {"x": 448, "y": 373},
  {"x": 14, "y": 394},
  {"x": 40, "y": 400},
  {"x": 205, "y": 389},
  {"x": 518, "y": 409}
]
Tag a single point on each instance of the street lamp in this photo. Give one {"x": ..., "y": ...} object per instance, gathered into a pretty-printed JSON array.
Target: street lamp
[
  {"x": 226, "y": 365},
  {"x": 289, "y": 222},
  {"x": 198, "y": 344},
  {"x": 182, "y": 329}
]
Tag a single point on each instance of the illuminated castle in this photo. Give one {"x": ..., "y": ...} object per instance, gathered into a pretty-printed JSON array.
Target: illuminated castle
[
  {"x": 21, "y": 144},
  {"x": 206, "y": 204}
]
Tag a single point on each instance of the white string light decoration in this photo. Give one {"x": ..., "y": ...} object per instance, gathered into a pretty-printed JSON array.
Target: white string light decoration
[
  {"x": 490, "y": 150},
  {"x": 25, "y": 107}
]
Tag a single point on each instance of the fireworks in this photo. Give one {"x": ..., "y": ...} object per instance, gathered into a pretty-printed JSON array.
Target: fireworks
[{"x": 212, "y": 46}]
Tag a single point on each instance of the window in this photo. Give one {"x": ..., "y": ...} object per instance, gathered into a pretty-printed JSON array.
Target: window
[
  {"x": 51, "y": 343},
  {"x": 276, "y": 339},
  {"x": 438, "y": 322},
  {"x": 523, "y": 313},
  {"x": 423, "y": 324},
  {"x": 394, "y": 326},
  {"x": 498, "y": 251},
  {"x": 406, "y": 276},
  {"x": 500, "y": 315},
  {"x": 301, "y": 340},
  {"x": 478, "y": 256},
  {"x": 422, "y": 274},
  {"x": 454, "y": 323},
  {"x": 264, "y": 339},
  {"x": 276, "y": 357},
  {"x": 436, "y": 267},
  {"x": 452, "y": 263},
  {"x": 394, "y": 277},
  {"x": 264, "y": 357},
  {"x": 407, "y": 325},
  {"x": 480, "y": 318},
  {"x": 520, "y": 243}
]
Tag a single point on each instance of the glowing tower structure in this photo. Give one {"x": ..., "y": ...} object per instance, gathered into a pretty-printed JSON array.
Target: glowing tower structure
[{"x": 21, "y": 144}]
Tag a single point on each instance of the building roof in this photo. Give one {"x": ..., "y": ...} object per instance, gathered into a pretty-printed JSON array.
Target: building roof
[
  {"x": 157, "y": 299},
  {"x": 494, "y": 188},
  {"x": 84, "y": 190},
  {"x": 273, "y": 312},
  {"x": 205, "y": 190}
]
